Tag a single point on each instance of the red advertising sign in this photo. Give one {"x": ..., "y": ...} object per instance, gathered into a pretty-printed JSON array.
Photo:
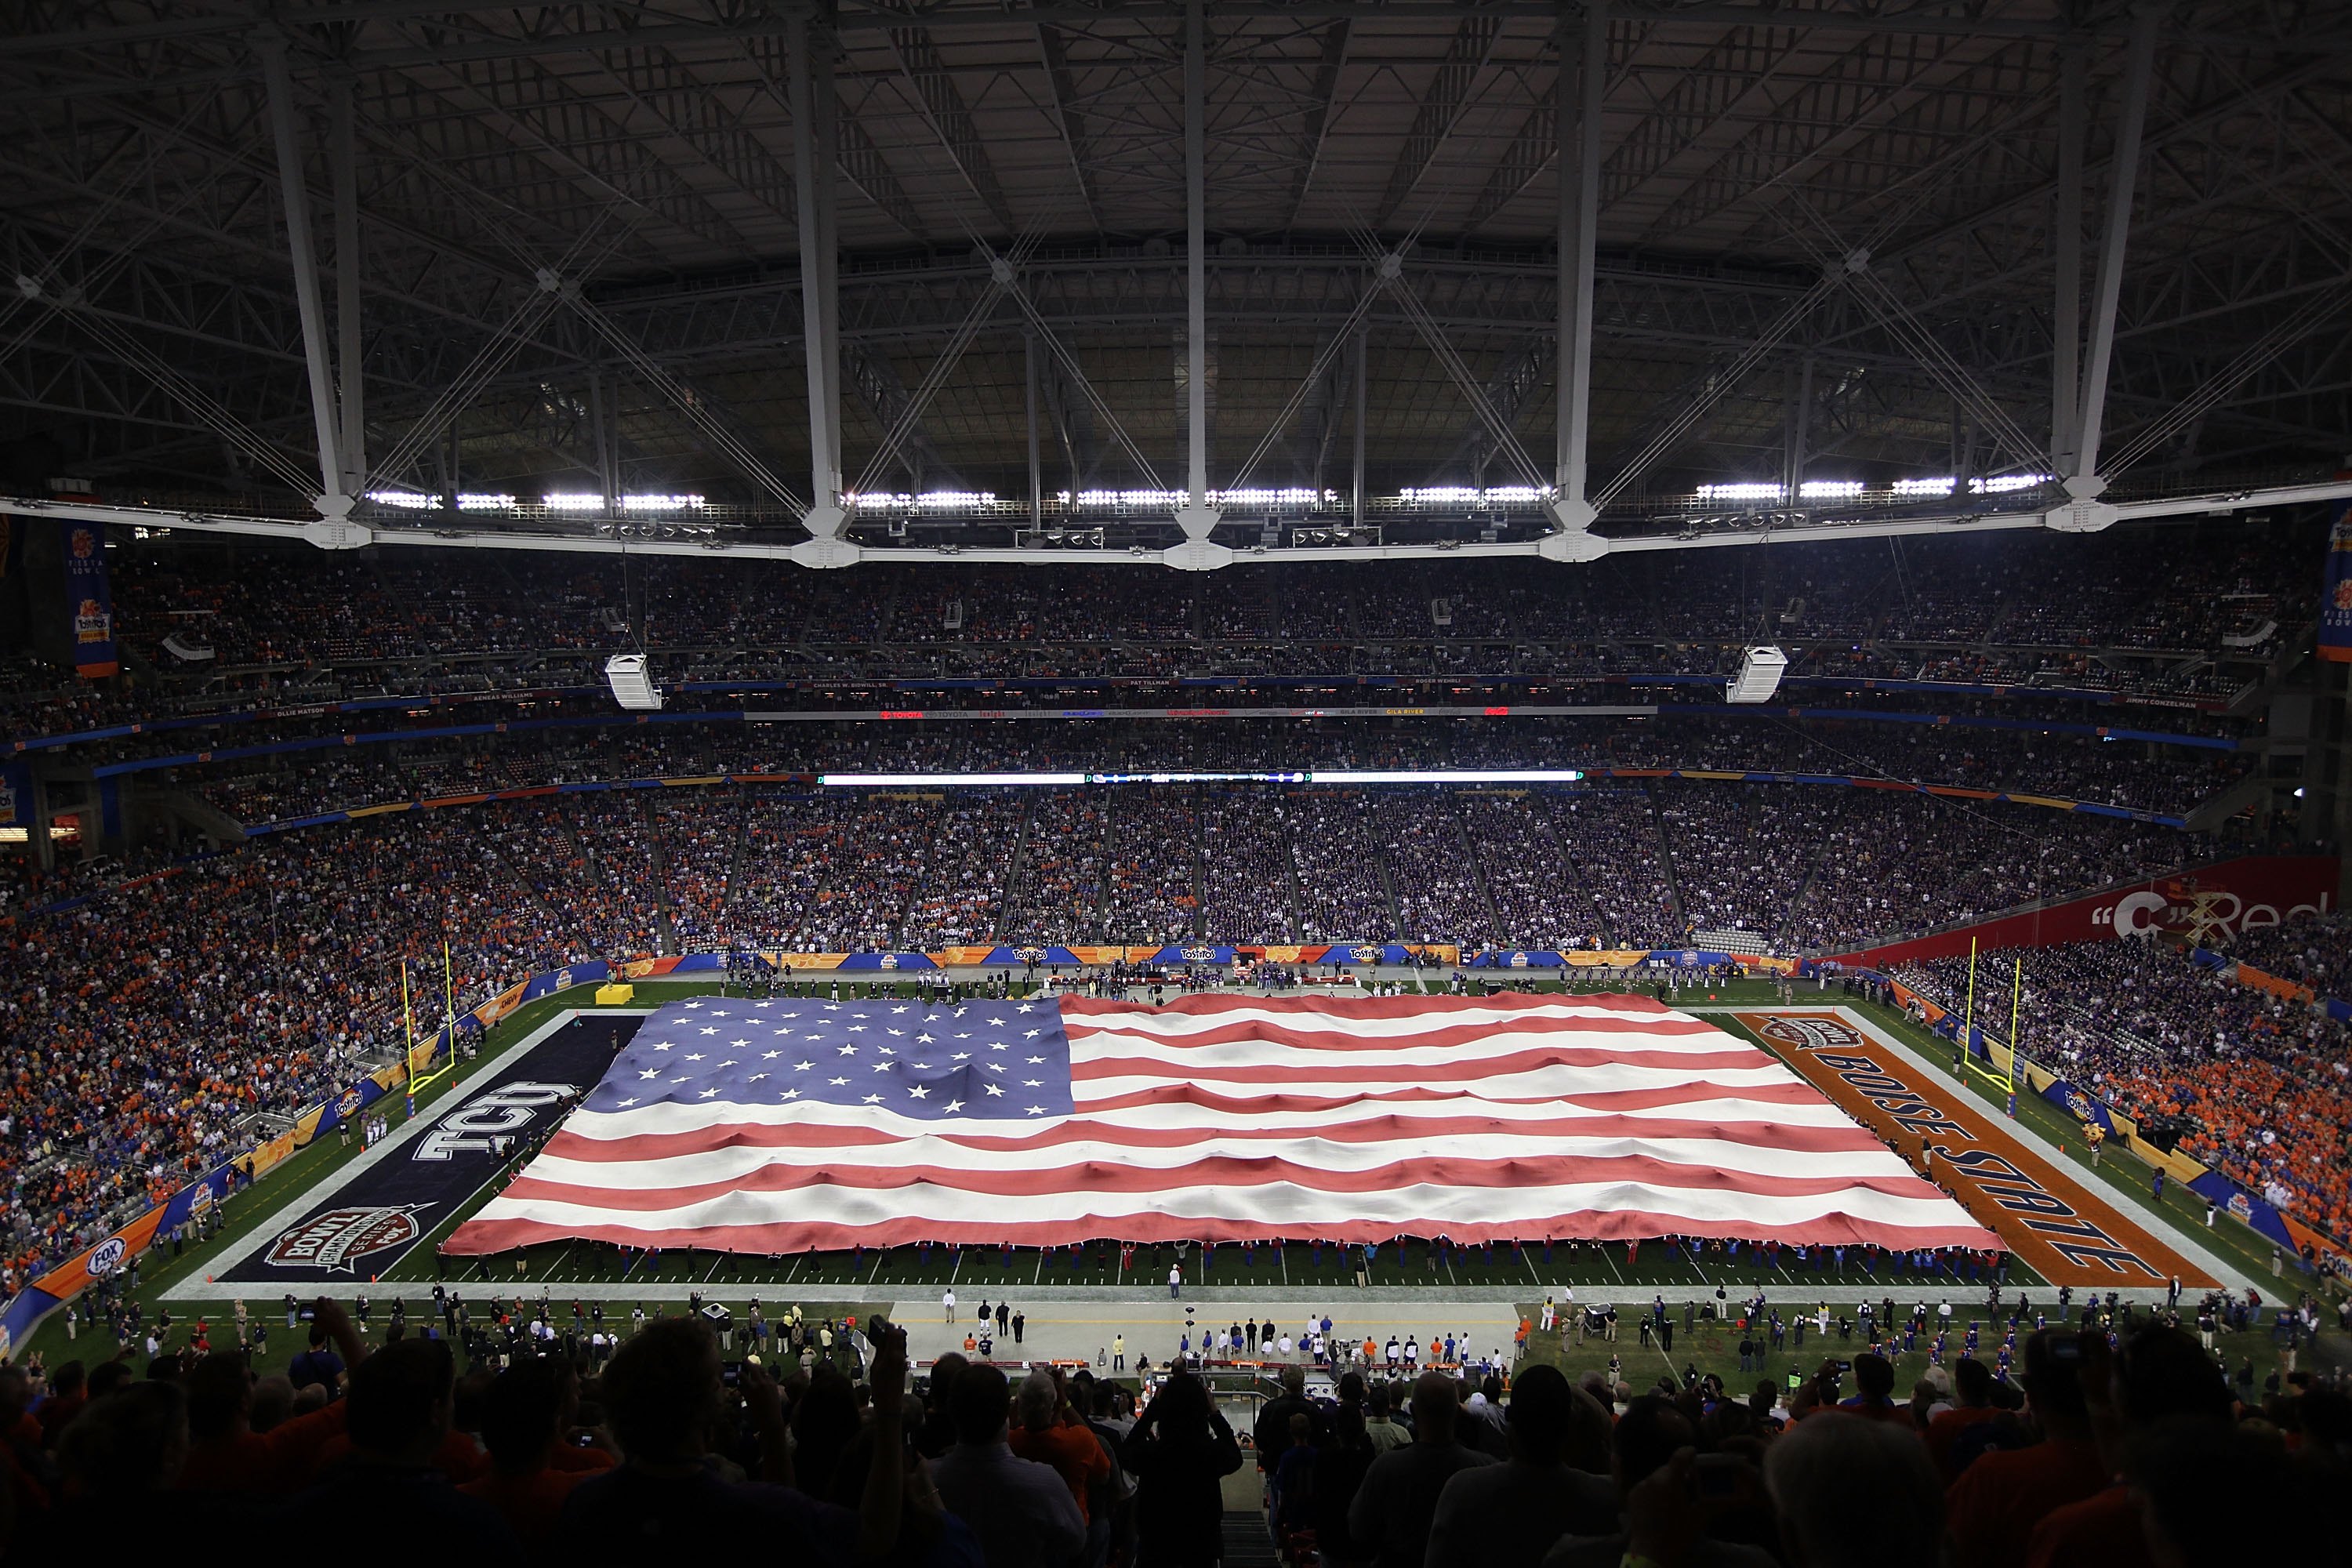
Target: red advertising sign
[{"x": 2208, "y": 906}]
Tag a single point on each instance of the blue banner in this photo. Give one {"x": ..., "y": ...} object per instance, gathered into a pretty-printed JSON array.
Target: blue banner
[
  {"x": 2076, "y": 1103},
  {"x": 890, "y": 961},
  {"x": 2219, "y": 1189},
  {"x": 86, "y": 599},
  {"x": 1194, "y": 953},
  {"x": 1518, "y": 958},
  {"x": 2336, "y": 594}
]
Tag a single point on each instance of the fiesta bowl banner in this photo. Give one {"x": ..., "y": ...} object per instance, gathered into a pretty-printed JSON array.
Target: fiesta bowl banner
[
  {"x": 2217, "y": 1188},
  {"x": 2335, "y": 591},
  {"x": 88, "y": 603},
  {"x": 2079, "y": 1104},
  {"x": 2208, "y": 906}
]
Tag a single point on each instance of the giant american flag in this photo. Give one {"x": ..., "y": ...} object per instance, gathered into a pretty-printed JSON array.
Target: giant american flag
[{"x": 785, "y": 1125}]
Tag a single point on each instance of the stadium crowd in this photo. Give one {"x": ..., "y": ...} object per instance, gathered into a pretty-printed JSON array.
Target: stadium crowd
[
  {"x": 2113, "y": 1447},
  {"x": 2260, "y": 1087},
  {"x": 386, "y": 760},
  {"x": 286, "y": 606}
]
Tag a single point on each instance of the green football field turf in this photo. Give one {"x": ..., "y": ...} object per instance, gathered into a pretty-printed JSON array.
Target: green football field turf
[{"x": 1596, "y": 1272}]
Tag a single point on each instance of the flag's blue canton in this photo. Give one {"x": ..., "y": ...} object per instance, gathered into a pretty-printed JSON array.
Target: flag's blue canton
[{"x": 1004, "y": 1060}]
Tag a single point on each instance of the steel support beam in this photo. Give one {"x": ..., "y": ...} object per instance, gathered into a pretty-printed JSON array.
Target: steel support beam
[
  {"x": 1196, "y": 515},
  {"x": 1583, "y": 76},
  {"x": 2085, "y": 484},
  {"x": 600, "y": 420},
  {"x": 1029, "y": 418},
  {"x": 813, "y": 169},
  {"x": 1801, "y": 427},
  {"x": 1363, "y": 378},
  {"x": 334, "y": 502},
  {"x": 2066, "y": 248},
  {"x": 349, "y": 349}
]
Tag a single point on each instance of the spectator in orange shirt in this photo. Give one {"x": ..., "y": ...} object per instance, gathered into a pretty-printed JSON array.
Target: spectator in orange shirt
[
  {"x": 1044, "y": 1430},
  {"x": 2159, "y": 1381},
  {"x": 225, "y": 1455},
  {"x": 524, "y": 1413},
  {"x": 1972, "y": 1387},
  {"x": 1994, "y": 1506}
]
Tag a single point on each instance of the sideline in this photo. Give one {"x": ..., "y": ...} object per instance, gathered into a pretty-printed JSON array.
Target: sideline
[
  {"x": 2158, "y": 1245},
  {"x": 212, "y": 1287}
]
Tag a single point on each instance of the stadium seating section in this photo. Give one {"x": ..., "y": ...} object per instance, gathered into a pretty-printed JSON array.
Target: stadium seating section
[{"x": 144, "y": 1019}]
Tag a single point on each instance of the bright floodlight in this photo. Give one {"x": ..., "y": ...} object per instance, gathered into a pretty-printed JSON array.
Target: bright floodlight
[
  {"x": 632, "y": 683},
  {"x": 1759, "y": 678}
]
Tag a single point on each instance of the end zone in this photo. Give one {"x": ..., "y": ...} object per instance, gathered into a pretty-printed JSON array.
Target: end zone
[{"x": 2005, "y": 1178}]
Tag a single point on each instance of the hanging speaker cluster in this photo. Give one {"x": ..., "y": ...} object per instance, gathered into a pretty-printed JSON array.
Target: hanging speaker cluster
[
  {"x": 632, "y": 681},
  {"x": 1760, "y": 670}
]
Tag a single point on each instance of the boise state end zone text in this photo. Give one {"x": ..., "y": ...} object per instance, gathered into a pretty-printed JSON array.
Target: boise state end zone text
[{"x": 2060, "y": 1225}]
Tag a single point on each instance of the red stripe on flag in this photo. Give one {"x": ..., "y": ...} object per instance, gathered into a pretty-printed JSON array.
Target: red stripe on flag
[
  {"x": 569, "y": 1145},
  {"x": 1098, "y": 1176}
]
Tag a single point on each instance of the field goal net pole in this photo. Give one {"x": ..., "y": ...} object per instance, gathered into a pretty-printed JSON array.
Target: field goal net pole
[
  {"x": 2005, "y": 1082},
  {"x": 417, "y": 1078}
]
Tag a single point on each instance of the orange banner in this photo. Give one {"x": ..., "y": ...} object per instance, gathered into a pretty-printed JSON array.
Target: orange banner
[
  {"x": 66, "y": 1280},
  {"x": 2274, "y": 985}
]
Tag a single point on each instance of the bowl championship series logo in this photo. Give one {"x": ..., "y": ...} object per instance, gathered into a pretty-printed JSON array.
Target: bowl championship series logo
[{"x": 338, "y": 1238}]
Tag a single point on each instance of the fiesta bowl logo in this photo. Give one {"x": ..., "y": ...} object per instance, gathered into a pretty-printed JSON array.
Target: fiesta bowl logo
[
  {"x": 1199, "y": 955},
  {"x": 338, "y": 1238},
  {"x": 84, "y": 544},
  {"x": 1518, "y": 961},
  {"x": 889, "y": 961},
  {"x": 1365, "y": 954},
  {"x": 201, "y": 1200},
  {"x": 564, "y": 980},
  {"x": 107, "y": 1255},
  {"x": 1690, "y": 958},
  {"x": 92, "y": 623}
]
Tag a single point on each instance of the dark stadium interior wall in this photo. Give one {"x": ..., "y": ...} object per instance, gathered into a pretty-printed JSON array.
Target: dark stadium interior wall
[{"x": 41, "y": 622}]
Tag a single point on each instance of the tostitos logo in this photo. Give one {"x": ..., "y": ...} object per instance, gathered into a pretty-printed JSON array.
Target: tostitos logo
[
  {"x": 2080, "y": 1105},
  {"x": 1199, "y": 955},
  {"x": 347, "y": 1103},
  {"x": 1365, "y": 954},
  {"x": 338, "y": 1238}
]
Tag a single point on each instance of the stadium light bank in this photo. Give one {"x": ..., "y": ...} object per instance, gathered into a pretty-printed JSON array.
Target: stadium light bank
[{"x": 1303, "y": 776}]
